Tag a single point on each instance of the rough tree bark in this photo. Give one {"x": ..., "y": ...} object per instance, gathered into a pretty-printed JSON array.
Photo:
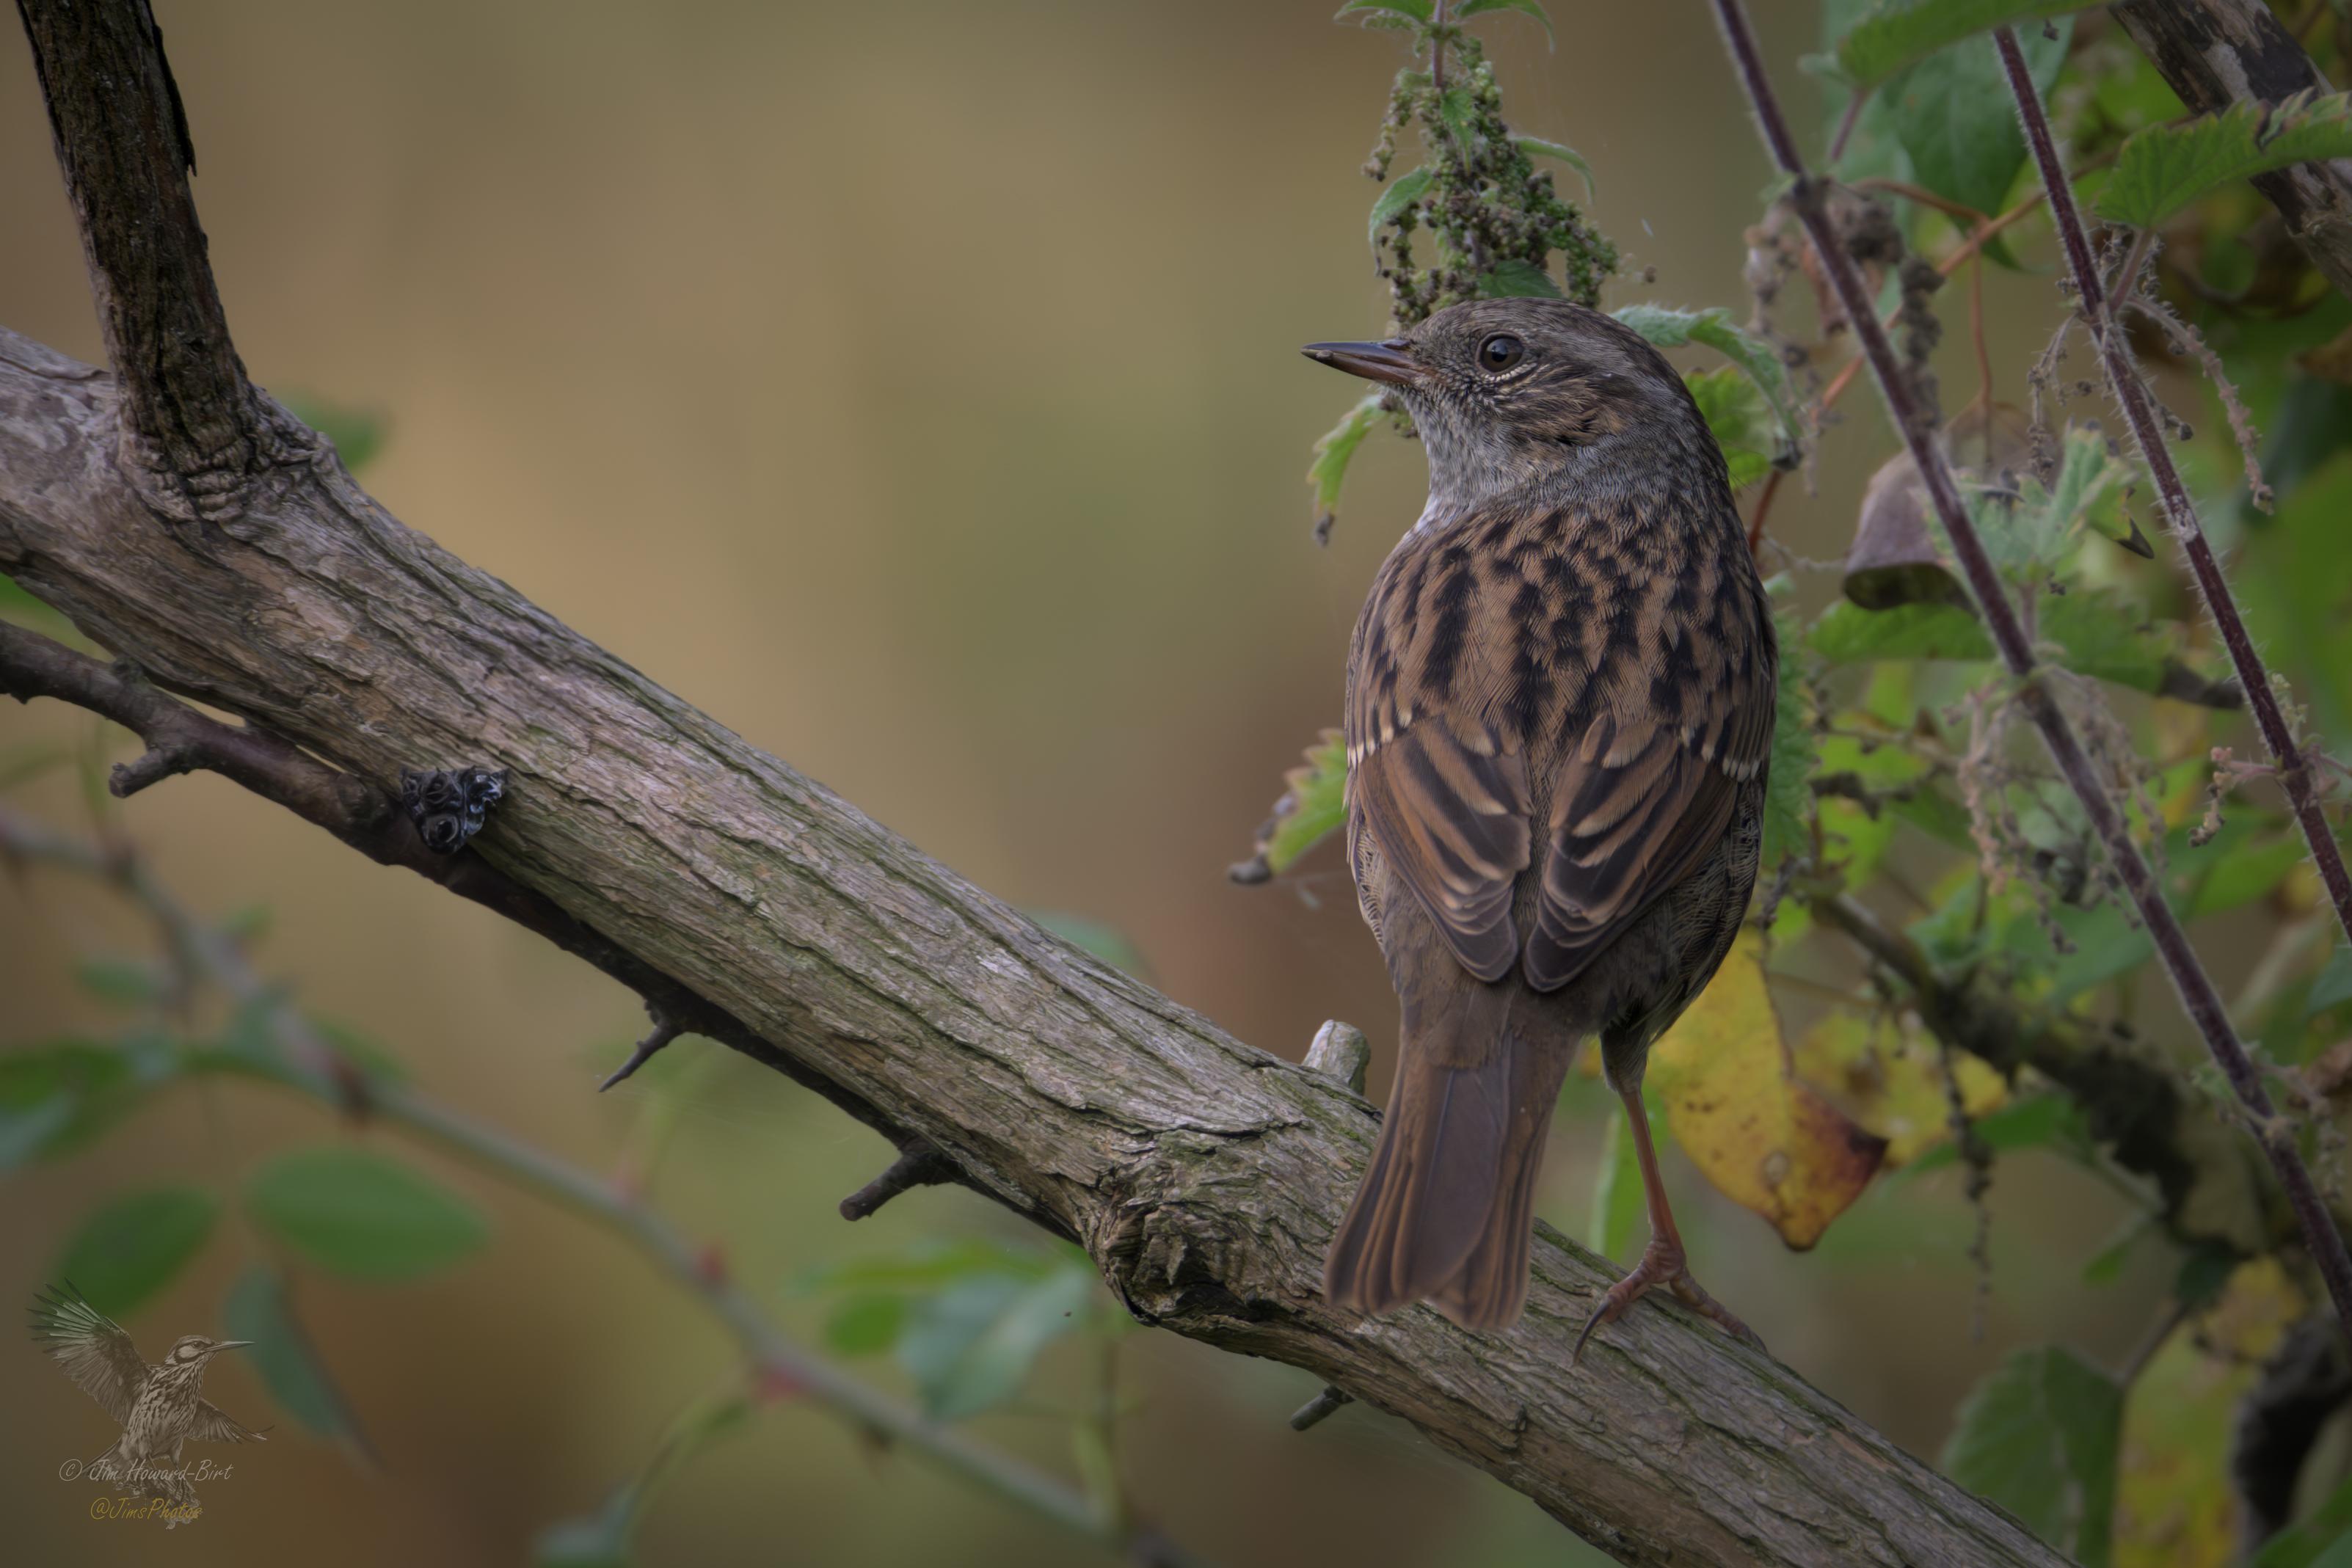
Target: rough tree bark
[
  {"x": 1203, "y": 1177},
  {"x": 2215, "y": 53}
]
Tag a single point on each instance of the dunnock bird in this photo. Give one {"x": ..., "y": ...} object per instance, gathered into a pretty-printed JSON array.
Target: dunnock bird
[{"x": 1558, "y": 714}]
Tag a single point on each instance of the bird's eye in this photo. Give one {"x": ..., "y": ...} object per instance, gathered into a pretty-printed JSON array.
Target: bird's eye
[{"x": 1501, "y": 352}]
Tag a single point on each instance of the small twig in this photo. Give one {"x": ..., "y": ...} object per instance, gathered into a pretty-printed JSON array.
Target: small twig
[
  {"x": 152, "y": 767},
  {"x": 1320, "y": 1408},
  {"x": 665, "y": 1029},
  {"x": 917, "y": 1164}
]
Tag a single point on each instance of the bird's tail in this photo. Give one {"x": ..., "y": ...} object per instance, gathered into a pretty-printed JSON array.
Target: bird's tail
[{"x": 1446, "y": 1208}]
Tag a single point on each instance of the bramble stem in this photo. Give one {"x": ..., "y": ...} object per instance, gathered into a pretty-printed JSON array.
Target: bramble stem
[{"x": 2198, "y": 998}]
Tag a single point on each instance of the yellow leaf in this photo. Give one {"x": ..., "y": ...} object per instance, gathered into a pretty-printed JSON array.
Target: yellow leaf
[
  {"x": 1766, "y": 1139},
  {"x": 1889, "y": 1076}
]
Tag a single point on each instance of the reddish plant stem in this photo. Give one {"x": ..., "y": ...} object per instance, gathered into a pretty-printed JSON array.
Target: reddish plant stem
[
  {"x": 2198, "y": 998},
  {"x": 2131, "y": 392}
]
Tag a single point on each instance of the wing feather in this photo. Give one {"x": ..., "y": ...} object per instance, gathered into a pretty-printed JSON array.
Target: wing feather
[
  {"x": 90, "y": 1348},
  {"x": 213, "y": 1424},
  {"x": 1642, "y": 801}
]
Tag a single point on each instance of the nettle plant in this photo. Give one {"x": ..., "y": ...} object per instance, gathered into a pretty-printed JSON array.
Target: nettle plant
[{"x": 1914, "y": 822}]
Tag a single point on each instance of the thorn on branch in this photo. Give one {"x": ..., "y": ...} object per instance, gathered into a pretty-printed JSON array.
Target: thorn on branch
[
  {"x": 665, "y": 1028},
  {"x": 1320, "y": 1408},
  {"x": 919, "y": 1164}
]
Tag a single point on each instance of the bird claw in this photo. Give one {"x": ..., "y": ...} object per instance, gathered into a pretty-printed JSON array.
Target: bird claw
[{"x": 1662, "y": 1264}]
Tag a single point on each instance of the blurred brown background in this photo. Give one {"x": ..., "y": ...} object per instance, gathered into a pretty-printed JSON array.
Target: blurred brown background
[{"x": 913, "y": 387}]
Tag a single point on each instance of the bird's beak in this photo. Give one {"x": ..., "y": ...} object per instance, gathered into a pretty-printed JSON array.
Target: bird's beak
[
  {"x": 233, "y": 1344},
  {"x": 1385, "y": 362}
]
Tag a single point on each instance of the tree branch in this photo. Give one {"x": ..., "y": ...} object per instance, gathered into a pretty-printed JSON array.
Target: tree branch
[
  {"x": 193, "y": 430},
  {"x": 1205, "y": 1178},
  {"x": 2214, "y": 53},
  {"x": 2295, "y": 774},
  {"x": 2198, "y": 998}
]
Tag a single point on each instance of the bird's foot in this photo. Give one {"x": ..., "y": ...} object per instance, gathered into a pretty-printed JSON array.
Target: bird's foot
[{"x": 1662, "y": 1264}]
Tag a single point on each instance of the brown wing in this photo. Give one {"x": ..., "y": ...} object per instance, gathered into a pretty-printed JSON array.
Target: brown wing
[
  {"x": 1678, "y": 727},
  {"x": 91, "y": 1348},
  {"x": 213, "y": 1426},
  {"x": 1439, "y": 788}
]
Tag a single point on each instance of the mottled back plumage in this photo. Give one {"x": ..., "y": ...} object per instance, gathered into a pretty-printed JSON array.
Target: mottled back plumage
[{"x": 1559, "y": 716}]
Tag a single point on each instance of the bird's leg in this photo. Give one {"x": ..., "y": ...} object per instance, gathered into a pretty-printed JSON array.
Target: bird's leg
[{"x": 1662, "y": 1261}]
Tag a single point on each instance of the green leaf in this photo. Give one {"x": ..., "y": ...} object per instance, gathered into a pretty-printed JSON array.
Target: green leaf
[
  {"x": 1898, "y": 35},
  {"x": 1787, "y": 789},
  {"x": 971, "y": 1347},
  {"x": 1459, "y": 110},
  {"x": 1402, "y": 193},
  {"x": 2163, "y": 168},
  {"x": 258, "y": 1310},
  {"x": 2030, "y": 533},
  {"x": 1469, "y": 8},
  {"x": 867, "y": 1324},
  {"x": 1617, "y": 1194},
  {"x": 2095, "y": 633},
  {"x": 2042, "y": 1122},
  {"x": 2107, "y": 1265},
  {"x": 1743, "y": 423},
  {"x": 1537, "y": 147},
  {"x": 356, "y": 435},
  {"x": 131, "y": 1247},
  {"x": 606, "y": 1538},
  {"x": 1846, "y": 633},
  {"x": 1957, "y": 120},
  {"x": 2322, "y": 1541},
  {"x": 1715, "y": 328},
  {"x": 55, "y": 1098},
  {"x": 2334, "y": 985},
  {"x": 2039, "y": 1436},
  {"x": 1418, "y": 10},
  {"x": 1317, "y": 804},
  {"x": 353, "y": 1212},
  {"x": 126, "y": 982},
  {"x": 1329, "y": 472},
  {"x": 1513, "y": 278},
  {"x": 2238, "y": 878}
]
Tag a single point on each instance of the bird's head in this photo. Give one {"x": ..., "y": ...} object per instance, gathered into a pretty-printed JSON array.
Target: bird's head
[
  {"x": 194, "y": 1350},
  {"x": 1509, "y": 393}
]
